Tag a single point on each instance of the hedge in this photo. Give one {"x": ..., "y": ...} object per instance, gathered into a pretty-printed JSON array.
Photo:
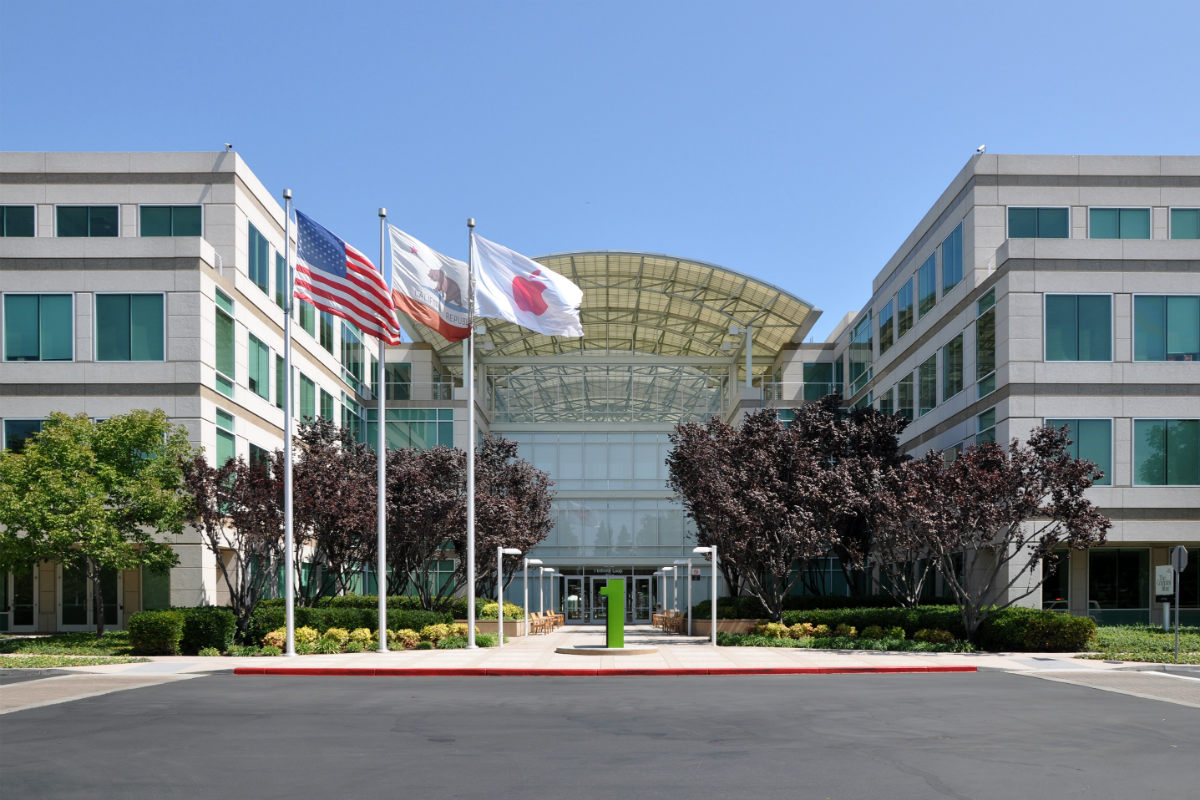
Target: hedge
[
  {"x": 751, "y": 608},
  {"x": 268, "y": 618},
  {"x": 207, "y": 626},
  {"x": 456, "y": 606},
  {"x": 156, "y": 633}
]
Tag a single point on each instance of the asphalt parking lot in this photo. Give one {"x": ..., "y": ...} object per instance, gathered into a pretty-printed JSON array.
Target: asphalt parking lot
[{"x": 984, "y": 735}]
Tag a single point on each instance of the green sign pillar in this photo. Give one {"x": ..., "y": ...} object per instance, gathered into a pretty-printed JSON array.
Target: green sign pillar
[{"x": 614, "y": 623}]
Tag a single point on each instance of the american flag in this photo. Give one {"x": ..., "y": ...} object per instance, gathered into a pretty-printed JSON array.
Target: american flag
[{"x": 337, "y": 278}]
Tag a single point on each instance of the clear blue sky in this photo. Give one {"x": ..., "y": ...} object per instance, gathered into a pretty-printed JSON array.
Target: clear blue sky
[{"x": 797, "y": 142}]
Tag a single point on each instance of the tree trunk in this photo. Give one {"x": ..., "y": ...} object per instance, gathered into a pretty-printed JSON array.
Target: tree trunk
[{"x": 93, "y": 573}]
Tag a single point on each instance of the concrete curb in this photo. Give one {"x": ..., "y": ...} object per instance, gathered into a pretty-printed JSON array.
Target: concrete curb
[{"x": 476, "y": 672}]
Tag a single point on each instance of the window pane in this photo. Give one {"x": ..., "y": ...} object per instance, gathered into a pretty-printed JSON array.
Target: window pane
[
  {"x": 280, "y": 379},
  {"x": 72, "y": 220},
  {"x": 1183, "y": 328},
  {"x": 952, "y": 367},
  {"x": 1104, "y": 223},
  {"x": 156, "y": 589},
  {"x": 1054, "y": 223},
  {"x": 1183, "y": 452},
  {"x": 1149, "y": 328},
  {"x": 18, "y": 221},
  {"x": 904, "y": 308},
  {"x": 1135, "y": 223},
  {"x": 985, "y": 347},
  {"x": 280, "y": 280},
  {"x": 928, "y": 384},
  {"x": 225, "y": 355},
  {"x": 1022, "y": 223},
  {"x": 146, "y": 327},
  {"x": 885, "y": 327},
  {"x": 1095, "y": 328},
  {"x": 55, "y": 328},
  {"x": 952, "y": 264},
  {"x": 102, "y": 221},
  {"x": 112, "y": 327},
  {"x": 156, "y": 220},
  {"x": 904, "y": 397},
  {"x": 21, "y": 327},
  {"x": 226, "y": 447},
  {"x": 16, "y": 431},
  {"x": 1149, "y": 452},
  {"x": 1095, "y": 445},
  {"x": 1185, "y": 223},
  {"x": 1062, "y": 340},
  {"x": 185, "y": 221},
  {"x": 927, "y": 285}
]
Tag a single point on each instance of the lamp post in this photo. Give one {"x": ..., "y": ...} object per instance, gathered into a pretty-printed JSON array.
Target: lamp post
[
  {"x": 541, "y": 603},
  {"x": 713, "y": 596},
  {"x": 535, "y": 562},
  {"x": 501, "y": 552},
  {"x": 688, "y": 578},
  {"x": 674, "y": 588}
]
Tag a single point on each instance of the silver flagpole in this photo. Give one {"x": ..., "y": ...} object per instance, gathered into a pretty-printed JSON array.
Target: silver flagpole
[
  {"x": 289, "y": 547},
  {"x": 381, "y": 461},
  {"x": 469, "y": 382}
]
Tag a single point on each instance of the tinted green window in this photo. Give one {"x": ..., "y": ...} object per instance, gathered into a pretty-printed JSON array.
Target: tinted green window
[
  {"x": 170, "y": 221},
  {"x": 1039, "y": 223},
  {"x": 225, "y": 353},
  {"x": 326, "y": 405},
  {"x": 1119, "y": 581},
  {"x": 424, "y": 427},
  {"x": 985, "y": 351},
  {"x": 87, "y": 220},
  {"x": 327, "y": 331},
  {"x": 129, "y": 327},
  {"x": 226, "y": 447},
  {"x": 308, "y": 397},
  {"x": 280, "y": 380},
  {"x": 1078, "y": 327},
  {"x": 860, "y": 354},
  {"x": 904, "y": 308},
  {"x": 398, "y": 380},
  {"x": 352, "y": 356},
  {"x": 156, "y": 589},
  {"x": 927, "y": 285},
  {"x": 260, "y": 368},
  {"x": 904, "y": 397},
  {"x": 886, "y": 404},
  {"x": 1119, "y": 223},
  {"x": 1166, "y": 452},
  {"x": 952, "y": 367},
  {"x": 952, "y": 259},
  {"x": 1091, "y": 440},
  {"x": 1166, "y": 328},
  {"x": 18, "y": 221},
  {"x": 38, "y": 327},
  {"x": 259, "y": 258},
  {"x": 927, "y": 376},
  {"x": 985, "y": 425},
  {"x": 280, "y": 281},
  {"x": 1185, "y": 223},
  {"x": 16, "y": 431},
  {"x": 885, "y": 327},
  {"x": 308, "y": 317}
]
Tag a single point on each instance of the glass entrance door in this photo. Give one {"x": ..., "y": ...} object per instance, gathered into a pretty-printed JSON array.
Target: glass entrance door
[
  {"x": 637, "y": 600},
  {"x": 574, "y": 600},
  {"x": 599, "y": 602}
]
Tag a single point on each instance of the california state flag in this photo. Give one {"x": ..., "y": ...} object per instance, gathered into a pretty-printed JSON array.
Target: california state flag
[{"x": 510, "y": 286}]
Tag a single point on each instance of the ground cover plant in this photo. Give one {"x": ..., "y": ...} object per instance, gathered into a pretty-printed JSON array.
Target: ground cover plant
[
  {"x": 112, "y": 643},
  {"x": 1145, "y": 643},
  {"x": 55, "y": 662}
]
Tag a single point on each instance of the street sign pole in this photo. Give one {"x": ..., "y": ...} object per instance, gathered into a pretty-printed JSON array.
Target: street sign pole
[{"x": 1179, "y": 562}]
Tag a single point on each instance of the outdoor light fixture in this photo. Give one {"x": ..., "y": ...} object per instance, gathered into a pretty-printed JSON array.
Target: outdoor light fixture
[
  {"x": 536, "y": 562},
  {"x": 688, "y": 562},
  {"x": 674, "y": 588},
  {"x": 541, "y": 605},
  {"x": 501, "y": 552},
  {"x": 713, "y": 595}
]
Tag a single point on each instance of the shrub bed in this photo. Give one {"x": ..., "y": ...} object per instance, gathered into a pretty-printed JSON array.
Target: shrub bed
[
  {"x": 265, "y": 620},
  {"x": 842, "y": 643},
  {"x": 751, "y": 608},
  {"x": 207, "y": 627},
  {"x": 911, "y": 620},
  {"x": 1035, "y": 630},
  {"x": 156, "y": 632}
]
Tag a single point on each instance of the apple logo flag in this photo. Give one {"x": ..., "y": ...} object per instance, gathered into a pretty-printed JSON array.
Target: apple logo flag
[{"x": 510, "y": 286}]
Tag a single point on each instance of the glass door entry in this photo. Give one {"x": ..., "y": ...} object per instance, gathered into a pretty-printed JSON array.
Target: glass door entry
[{"x": 583, "y": 604}]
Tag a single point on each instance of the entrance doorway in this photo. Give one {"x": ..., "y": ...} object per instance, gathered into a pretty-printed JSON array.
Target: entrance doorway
[
  {"x": 581, "y": 602},
  {"x": 75, "y": 609}
]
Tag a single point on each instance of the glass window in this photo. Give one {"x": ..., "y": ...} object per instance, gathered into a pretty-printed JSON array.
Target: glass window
[
  {"x": 1185, "y": 223},
  {"x": 952, "y": 367},
  {"x": 985, "y": 344},
  {"x": 1166, "y": 452},
  {"x": 18, "y": 221},
  {"x": 259, "y": 264},
  {"x": 1078, "y": 327},
  {"x": 327, "y": 331},
  {"x": 280, "y": 381},
  {"x": 308, "y": 398},
  {"x": 352, "y": 357},
  {"x": 226, "y": 441},
  {"x": 129, "y": 327},
  {"x": 904, "y": 396},
  {"x": 308, "y": 317},
  {"x": 927, "y": 378},
  {"x": 904, "y": 308},
  {"x": 17, "y": 431},
  {"x": 280, "y": 280},
  {"x": 326, "y": 405},
  {"x": 952, "y": 260},
  {"x": 927, "y": 285},
  {"x": 886, "y": 404},
  {"x": 1166, "y": 328},
  {"x": 1119, "y": 223},
  {"x": 87, "y": 221},
  {"x": 985, "y": 426},
  {"x": 259, "y": 455},
  {"x": 38, "y": 327},
  {"x": 259, "y": 360},
  {"x": 224, "y": 356},
  {"x": 398, "y": 381},
  {"x": 861, "y": 354},
  {"x": 1056, "y": 580},
  {"x": 170, "y": 220},
  {"x": 1039, "y": 223},
  {"x": 1119, "y": 582},
  {"x": 885, "y": 327},
  {"x": 1091, "y": 440}
]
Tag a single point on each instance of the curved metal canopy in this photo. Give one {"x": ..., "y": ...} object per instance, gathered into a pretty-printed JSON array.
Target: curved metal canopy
[{"x": 649, "y": 304}]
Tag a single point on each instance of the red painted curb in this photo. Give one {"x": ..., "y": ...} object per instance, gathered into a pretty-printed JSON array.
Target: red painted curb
[{"x": 465, "y": 672}]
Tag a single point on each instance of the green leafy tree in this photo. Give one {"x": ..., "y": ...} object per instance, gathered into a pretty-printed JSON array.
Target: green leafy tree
[{"x": 101, "y": 494}]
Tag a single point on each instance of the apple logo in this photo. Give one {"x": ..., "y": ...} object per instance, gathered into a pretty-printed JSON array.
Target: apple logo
[{"x": 528, "y": 294}]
